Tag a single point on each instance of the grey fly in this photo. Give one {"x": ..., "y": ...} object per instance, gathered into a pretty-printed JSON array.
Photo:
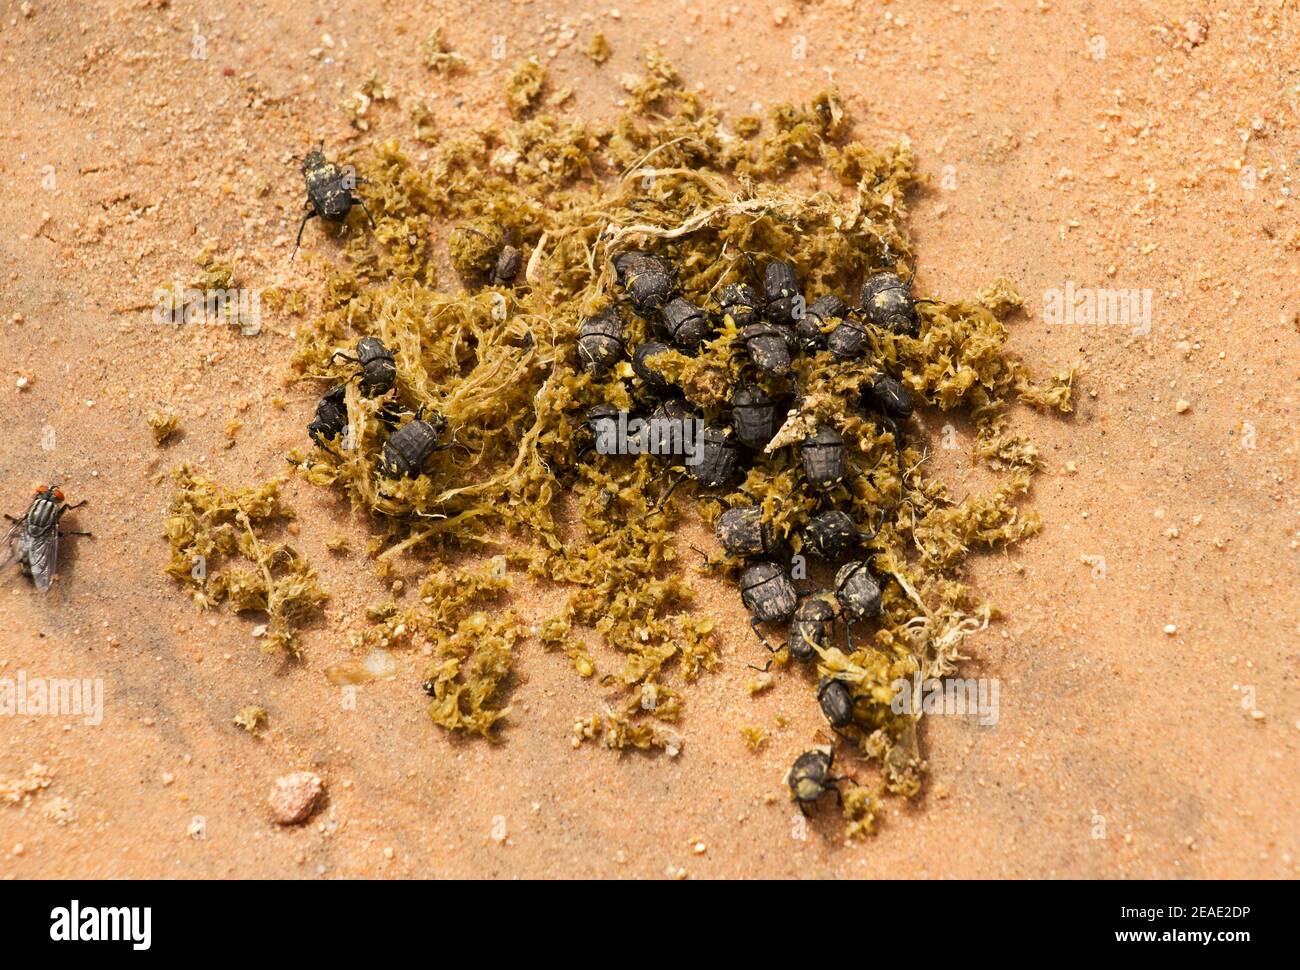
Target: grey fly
[{"x": 34, "y": 538}]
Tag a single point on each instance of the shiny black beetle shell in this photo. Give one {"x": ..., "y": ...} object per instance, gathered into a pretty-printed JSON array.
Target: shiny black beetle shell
[
  {"x": 811, "y": 626},
  {"x": 507, "y": 265},
  {"x": 641, "y": 358},
  {"x": 823, "y": 456},
  {"x": 720, "y": 457},
  {"x": 821, "y": 310},
  {"x": 331, "y": 416},
  {"x": 741, "y": 303},
  {"x": 769, "y": 348},
  {"x": 600, "y": 342},
  {"x": 848, "y": 341},
  {"x": 767, "y": 592},
  {"x": 650, "y": 280},
  {"x": 600, "y": 414},
  {"x": 831, "y": 534},
  {"x": 810, "y": 775},
  {"x": 685, "y": 324},
  {"x": 410, "y": 446},
  {"x": 887, "y": 302},
  {"x": 836, "y": 702},
  {"x": 857, "y": 591},
  {"x": 662, "y": 437},
  {"x": 755, "y": 415},
  {"x": 378, "y": 369},
  {"x": 781, "y": 290},
  {"x": 889, "y": 396},
  {"x": 742, "y": 532},
  {"x": 329, "y": 186}
]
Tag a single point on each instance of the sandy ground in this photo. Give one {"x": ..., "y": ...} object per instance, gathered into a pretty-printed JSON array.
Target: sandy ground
[{"x": 1108, "y": 144}]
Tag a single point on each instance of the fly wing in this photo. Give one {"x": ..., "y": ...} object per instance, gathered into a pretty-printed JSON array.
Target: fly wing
[
  {"x": 42, "y": 555},
  {"x": 11, "y": 539}
]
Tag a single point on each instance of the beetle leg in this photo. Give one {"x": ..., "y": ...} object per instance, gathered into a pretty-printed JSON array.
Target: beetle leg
[
  {"x": 301, "y": 226},
  {"x": 848, "y": 634},
  {"x": 362, "y": 203},
  {"x": 771, "y": 649},
  {"x": 659, "y": 506},
  {"x": 703, "y": 555},
  {"x": 867, "y": 537},
  {"x": 753, "y": 625}
]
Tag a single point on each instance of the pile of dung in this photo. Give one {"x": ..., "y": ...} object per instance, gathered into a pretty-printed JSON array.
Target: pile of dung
[{"x": 497, "y": 360}]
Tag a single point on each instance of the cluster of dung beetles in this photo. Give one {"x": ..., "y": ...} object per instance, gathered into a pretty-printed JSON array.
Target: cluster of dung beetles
[
  {"x": 408, "y": 447},
  {"x": 774, "y": 326}
]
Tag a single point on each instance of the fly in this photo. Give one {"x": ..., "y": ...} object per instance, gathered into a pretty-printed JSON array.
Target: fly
[{"x": 34, "y": 538}]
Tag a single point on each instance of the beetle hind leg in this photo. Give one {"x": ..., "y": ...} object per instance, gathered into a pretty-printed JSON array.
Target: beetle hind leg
[{"x": 301, "y": 226}]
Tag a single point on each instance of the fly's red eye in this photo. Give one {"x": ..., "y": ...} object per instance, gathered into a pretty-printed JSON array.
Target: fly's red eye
[{"x": 58, "y": 495}]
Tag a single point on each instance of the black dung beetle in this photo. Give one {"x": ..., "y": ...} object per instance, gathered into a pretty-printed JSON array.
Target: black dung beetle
[
  {"x": 600, "y": 341},
  {"x": 509, "y": 258},
  {"x": 641, "y": 358},
  {"x": 887, "y": 303},
  {"x": 809, "y": 329},
  {"x": 650, "y": 280},
  {"x": 769, "y": 348},
  {"x": 823, "y": 456},
  {"x": 667, "y": 428},
  {"x": 598, "y": 418},
  {"x": 329, "y": 192},
  {"x": 836, "y": 702},
  {"x": 741, "y": 303},
  {"x": 767, "y": 593},
  {"x": 812, "y": 625},
  {"x": 410, "y": 446},
  {"x": 391, "y": 413},
  {"x": 507, "y": 266},
  {"x": 849, "y": 340},
  {"x": 742, "y": 532},
  {"x": 598, "y": 415},
  {"x": 784, "y": 303},
  {"x": 685, "y": 324},
  {"x": 721, "y": 455},
  {"x": 889, "y": 396},
  {"x": 858, "y": 594},
  {"x": 755, "y": 416},
  {"x": 378, "y": 368},
  {"x": 831, "y": 534},
  {"x": 810, "y": 776},
  {"x": 331, "y": 416}
]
